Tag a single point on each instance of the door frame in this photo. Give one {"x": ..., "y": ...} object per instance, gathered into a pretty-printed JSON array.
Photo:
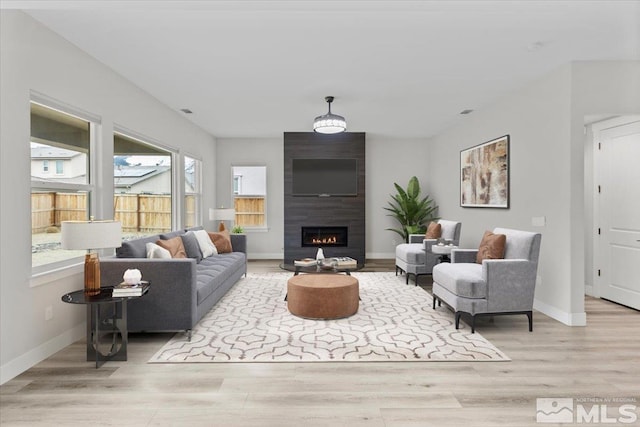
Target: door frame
[{"x": 597, "y": 128}]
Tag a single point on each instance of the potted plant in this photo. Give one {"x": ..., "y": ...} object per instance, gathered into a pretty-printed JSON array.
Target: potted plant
[
  {"x": 410, "y": 210},
  {"x": 237, "y": 229}
]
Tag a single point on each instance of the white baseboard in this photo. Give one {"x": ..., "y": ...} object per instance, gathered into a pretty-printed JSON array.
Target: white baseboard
[
  {"x": 31, "y": 358},
  {"x": 588, "y": 290},
  {"x": 569, "y": 319}
]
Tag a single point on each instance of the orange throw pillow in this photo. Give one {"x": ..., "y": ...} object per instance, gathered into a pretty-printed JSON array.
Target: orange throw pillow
[
  {"x": 222, "y": 241},
  {"x": 434, "y": 231},
  {"x": 491, "y": 246},
  {"x": 174, "y": 246}
]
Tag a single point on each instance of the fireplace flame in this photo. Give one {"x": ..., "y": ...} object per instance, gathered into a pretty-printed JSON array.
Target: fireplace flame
[{"x": 325, "y": 241}]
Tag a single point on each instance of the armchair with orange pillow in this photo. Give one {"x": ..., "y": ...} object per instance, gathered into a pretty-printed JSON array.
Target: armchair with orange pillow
[
  {"x": 415, "y": 258},
  {"x": 497, "y": 278}
]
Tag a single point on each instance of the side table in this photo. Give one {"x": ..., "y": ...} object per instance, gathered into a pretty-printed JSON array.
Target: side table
[
  {"x": 444, "y": 251},
  {"x": 98, "y": 326}
]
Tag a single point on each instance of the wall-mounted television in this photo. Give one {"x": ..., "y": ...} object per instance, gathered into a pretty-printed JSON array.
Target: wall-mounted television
[{"x": 325, "y": 177}]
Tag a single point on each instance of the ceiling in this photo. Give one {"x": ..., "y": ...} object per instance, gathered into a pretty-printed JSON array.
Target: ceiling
[{"x": 396, "y": 68}]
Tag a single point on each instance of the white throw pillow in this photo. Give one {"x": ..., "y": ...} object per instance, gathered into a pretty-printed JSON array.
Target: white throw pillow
[
  {"x": 155, "y": 251},
  {"x": 206, "y": 245}
]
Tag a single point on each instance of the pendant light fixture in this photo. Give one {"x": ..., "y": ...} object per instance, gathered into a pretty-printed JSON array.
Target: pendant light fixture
[{"x": 329, "y": 123}]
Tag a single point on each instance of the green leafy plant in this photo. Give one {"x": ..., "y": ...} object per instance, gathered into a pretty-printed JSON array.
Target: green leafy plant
[
  {"x": 410, "y": 210},
  {"x": 237, "y": 229}
]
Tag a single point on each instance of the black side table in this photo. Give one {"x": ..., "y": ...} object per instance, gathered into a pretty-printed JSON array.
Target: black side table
[{"x": 98, "y": 326}]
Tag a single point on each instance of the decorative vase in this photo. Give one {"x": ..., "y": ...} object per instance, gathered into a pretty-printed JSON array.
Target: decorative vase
[
  {"x": 319, "y": 255},
  {"x": 132, "y": 276}
]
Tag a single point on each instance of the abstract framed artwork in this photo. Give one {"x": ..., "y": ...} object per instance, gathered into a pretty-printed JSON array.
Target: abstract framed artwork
[{"x": 484, "y": 175}]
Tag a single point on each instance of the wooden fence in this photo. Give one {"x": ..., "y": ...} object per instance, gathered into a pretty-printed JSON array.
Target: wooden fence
[
  {"x": 249, "y": 211},
  {"x": 136, "y": 212}
]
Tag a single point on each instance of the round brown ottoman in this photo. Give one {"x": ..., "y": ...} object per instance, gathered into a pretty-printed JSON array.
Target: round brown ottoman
[{"x": 322, "y": 296}]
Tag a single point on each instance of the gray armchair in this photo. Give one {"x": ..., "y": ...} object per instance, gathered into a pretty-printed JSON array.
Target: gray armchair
[
  {"x": 495, "y": 287},
  {"x": 415, "y": 258}
]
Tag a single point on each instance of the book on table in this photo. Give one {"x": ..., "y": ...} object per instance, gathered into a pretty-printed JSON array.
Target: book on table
[
  {"x": 346, "y": 262},
  {"x": 305, "y": 262},
  {"x": 126, "y": 290}
]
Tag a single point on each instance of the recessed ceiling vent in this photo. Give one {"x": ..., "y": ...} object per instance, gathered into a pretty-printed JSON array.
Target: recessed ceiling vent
[{"x": 186, "y": 111}]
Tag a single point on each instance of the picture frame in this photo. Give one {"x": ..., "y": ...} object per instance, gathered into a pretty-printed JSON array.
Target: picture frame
[{"x": 484, "y": 175}]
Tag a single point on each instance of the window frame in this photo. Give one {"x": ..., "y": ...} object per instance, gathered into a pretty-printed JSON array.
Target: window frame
[
  {"x": 95, "y": 124},
  {"x": 197, "y": 187},
  {"x": 174, "y": 154},
  {"x": 265, "y": 225}
]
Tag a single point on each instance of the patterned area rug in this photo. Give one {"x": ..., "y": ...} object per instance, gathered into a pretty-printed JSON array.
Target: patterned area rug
[{"x": 395, "y": 322}]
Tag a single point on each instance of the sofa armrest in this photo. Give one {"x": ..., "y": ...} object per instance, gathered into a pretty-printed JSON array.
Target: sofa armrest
[
  {"x": 416, "y": 238},
  {"x": 510, "y": 284},
  {"x": 172, "y": 299},
  {"x": 239, "y": 242},
  {"x": 464, "y": 255}
]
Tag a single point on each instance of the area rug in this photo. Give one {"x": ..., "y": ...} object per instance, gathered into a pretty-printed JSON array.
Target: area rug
[{"x": 394, "y": 322}]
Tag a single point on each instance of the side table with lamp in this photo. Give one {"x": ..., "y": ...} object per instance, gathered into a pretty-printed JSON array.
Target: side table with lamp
[{"x": 94, "y": 235}]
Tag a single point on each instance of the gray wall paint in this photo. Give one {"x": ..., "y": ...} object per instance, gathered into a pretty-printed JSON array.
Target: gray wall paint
[
  {"x": 546, "y": 124},
  {"x": 74, "y": 78},
  {"x": 388, "y": 160},
  {"x": 263, "y": 244}
]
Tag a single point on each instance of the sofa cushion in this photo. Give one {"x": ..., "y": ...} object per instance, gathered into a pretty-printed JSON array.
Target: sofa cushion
[
  {"x": 491, "y": 246},
  {"x": 462, "y": 279},
  {"x": 173, "y": 245},
  {"x": 171, "y": 235},
  {"x": 191, "y": 247},
  {"x": 411, "y": 253},
  {"x": 214, "y": 270},
  {"x": 222, "y": 241},
  {"x": 204, "y": 242},
  {"x": 434, "y": 231},
  {"x": 156, "y": 251},
  {"x": 136, "y": 248}
]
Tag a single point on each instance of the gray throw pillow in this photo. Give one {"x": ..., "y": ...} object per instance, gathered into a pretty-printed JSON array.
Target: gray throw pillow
[{"x": 191, "y": 246}]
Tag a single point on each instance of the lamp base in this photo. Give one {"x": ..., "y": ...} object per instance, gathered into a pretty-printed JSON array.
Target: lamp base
[
  {"x": 221, "y": 226},
  {"x": 91, "y": 274}
]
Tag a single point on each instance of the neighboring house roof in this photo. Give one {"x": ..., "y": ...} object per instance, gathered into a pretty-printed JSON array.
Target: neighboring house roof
[
  {"x": 45, "y": 153},
  {"x": 79, "y": 179},
  {"x": 127, "y": 176}
]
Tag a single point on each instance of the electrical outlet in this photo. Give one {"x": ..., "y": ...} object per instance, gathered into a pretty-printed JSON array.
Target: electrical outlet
[
  {"x": 48, "y": 313},
  {"x": 538, "y": 221}
]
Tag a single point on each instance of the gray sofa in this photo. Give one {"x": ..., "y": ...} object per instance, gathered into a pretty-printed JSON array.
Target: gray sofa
[{"x": 182, "y": 290}]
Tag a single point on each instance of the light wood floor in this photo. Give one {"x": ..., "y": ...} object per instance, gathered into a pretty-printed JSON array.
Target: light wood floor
[{"x": 601, "y": 360}]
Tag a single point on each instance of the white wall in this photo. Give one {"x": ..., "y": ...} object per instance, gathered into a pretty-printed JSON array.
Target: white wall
[
  {"x": 388, "y": 160},
  {"x": 545, "y": 121},
  {"x": 35, "y": 59},
  {"x": 265, "y": 244}
]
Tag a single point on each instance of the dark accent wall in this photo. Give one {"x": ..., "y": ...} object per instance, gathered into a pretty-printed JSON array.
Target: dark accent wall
[{"x": 324, "y": 211}]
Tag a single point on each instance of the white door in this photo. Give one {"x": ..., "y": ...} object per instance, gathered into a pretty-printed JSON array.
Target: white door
[{"x": 618, "y": 159}]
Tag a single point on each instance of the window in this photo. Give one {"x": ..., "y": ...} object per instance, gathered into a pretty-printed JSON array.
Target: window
[
  {"x": 249, "y": 195},
  {"x": 192, "y": 191},
  {"x": 142, "y": 180},
  {"x": 63, "y": 138}
]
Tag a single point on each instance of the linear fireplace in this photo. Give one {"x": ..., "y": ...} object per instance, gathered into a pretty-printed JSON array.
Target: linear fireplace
[
  {"x": 324, "y": 236},
  {"x": 337, "y": 222}
]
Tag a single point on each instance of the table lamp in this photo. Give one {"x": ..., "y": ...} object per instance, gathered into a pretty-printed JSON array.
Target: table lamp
[
  {"x": 222, "y": 214},
  {"x": 91, "y": 235}
]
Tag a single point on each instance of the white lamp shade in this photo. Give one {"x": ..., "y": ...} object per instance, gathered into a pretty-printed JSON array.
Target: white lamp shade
[
  {"x": 223, "y": 214},
  {"x": 91, "y": 234}
]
